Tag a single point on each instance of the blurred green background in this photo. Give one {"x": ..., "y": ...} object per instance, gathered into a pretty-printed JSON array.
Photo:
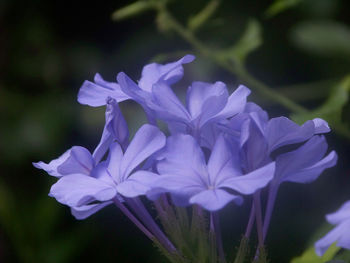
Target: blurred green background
[{"x": 301, "y": 49}]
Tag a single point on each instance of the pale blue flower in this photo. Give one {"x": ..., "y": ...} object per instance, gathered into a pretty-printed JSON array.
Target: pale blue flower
[
  {"x": 340, "y": 235},
  {"x": 191, "y": 180}
]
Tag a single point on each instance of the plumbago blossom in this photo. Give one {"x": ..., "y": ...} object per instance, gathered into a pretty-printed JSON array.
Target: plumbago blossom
[
  {"x": 221, "y": 148},
  {"x": 340, "y": 234}
]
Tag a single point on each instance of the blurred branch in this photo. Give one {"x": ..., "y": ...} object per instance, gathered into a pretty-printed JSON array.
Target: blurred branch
[
  {"x": 279, "y": 6},
  {"x": 131, "y": 10},
  {"x": 308, "y": 91},
  {"x": 199, "y": 19},
  {"x": 237, "y": 69},
  {"x": 232, "y": 60}
]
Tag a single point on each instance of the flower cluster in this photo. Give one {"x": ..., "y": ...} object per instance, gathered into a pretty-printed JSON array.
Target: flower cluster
[{"x": 220, "y": 148}]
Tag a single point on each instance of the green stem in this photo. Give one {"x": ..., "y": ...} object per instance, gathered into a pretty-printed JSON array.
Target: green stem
[
  {"x": 237, "y": 68},
  {"x": 242, "y": 250}
]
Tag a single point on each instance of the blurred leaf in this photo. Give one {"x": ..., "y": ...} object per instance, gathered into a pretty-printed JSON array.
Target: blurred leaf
[
  {"x": 132, "y": 10},
  {"x": 250, "y": 41},
  {"x": 326, "y": 38},
  {"x": 332, "y": 108},
  {"x": 343, "y": 256},
  {"x": 309, "y": 256},
  {"x": 321, "y": 8},
  {"x": 279, "y": 6},
  {"x": 162, "y": 22},
  {"x": 199, "y": 19}
]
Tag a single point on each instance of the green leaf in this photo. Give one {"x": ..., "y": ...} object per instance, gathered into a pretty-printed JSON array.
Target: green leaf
[
  {"x": 325, "y": 38},
  {"x": 199, "y": 19},
  {"x": 279, "y": 6},
  {"x": 132, "y": 10},
  {"x": 309, "y": 256},
  {"x": 250, "y": 41},
  {"x": 332, "y": 108},
  {"x": 343, "y": 256}
]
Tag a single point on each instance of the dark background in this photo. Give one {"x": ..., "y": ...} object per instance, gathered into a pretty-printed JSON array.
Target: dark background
[{"x": 48, "y": 48}]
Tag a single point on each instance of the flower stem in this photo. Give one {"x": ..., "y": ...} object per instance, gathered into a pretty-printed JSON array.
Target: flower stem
[
  {"x": 250, "y": 222},
  {"x": 215, "y": 228},
  {"x": 259, "y": 223},
  {"x": 138, "y": 207},
  {"x": 242, "y": 250},
  {"x": 133, "y": 218},
  {"x": 269, "y": 207}
]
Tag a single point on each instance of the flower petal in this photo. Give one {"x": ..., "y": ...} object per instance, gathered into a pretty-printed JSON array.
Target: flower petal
[
  {"x": 235, "y": 103},
  {"x": 134, "y": 92},
  {"x": 340, "y": 234},
  {"x": 204, "y": 100},
  {"x": 82, "y": 212},
  {"x": 95, "y": 94},
  {"x": 215, "y": 199},
  {"x": 147, "y": 140},
  {"x": 166, "y": 105},
  {"x": 343, "y": 213},
  {"x": 51, "y": 167},
  {"x": 181, "y": 188},
  {"x": 282, "y": 131},
  {"x": 295, "y": 165},
  {"x": 175, "y": 183},
  {"x": 114, "y": 161},
  {"x": 321, "y": 126},
  {"x": 171, "y": 72},
  {"x": 139, "y": 183},
  {"x": 311, "y": 173},
  {"x": 223, "y": 162},
  {"x": 115, "y": 129},
  {"x": 254, "y": 152},
  {"x": 249, "y": 183},
  {"x": 78, "y": 189},
  {"x": 183, "y": 157},
  {"x": 78, "y": 161}
]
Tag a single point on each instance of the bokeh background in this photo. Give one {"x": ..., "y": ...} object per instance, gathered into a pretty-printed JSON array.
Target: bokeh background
[{"x": 48, "y": 48}]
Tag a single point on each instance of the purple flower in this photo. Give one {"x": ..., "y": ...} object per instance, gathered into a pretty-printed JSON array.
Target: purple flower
[
  {"x": 260, "y": 136},
  {"x": 340, "y": 234},
  {"x": 152, "y": 74},
  {"x": 206, "y": 103},
  {"x": 95, "y": 94},
  {"x": 76, "y": 163},
  {"x": 186, "y": 175},
  {"x": 83, "y": 181},
  {"x": 261, "y": 141}
]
